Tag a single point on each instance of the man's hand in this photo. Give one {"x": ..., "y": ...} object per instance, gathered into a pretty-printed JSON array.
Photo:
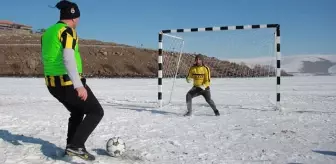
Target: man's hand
[{"x": 82, "y": 93}]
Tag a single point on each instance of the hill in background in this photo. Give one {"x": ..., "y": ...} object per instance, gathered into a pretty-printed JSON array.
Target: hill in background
[
  {"x": 300, "y": 65},
  {"x": 20, "y": 56}
]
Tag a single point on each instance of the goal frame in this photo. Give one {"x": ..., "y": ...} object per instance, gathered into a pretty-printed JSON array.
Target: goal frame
[{"x": 222, "y": 28}]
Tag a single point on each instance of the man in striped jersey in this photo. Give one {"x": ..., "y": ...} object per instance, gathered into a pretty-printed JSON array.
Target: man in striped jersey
[{"x": 62, "y": 65}]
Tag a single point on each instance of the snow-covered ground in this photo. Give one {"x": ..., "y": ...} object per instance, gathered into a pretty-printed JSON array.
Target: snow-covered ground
[{"x": 33, "y": 124}]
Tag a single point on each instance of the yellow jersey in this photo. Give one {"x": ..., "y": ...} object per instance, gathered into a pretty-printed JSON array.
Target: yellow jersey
[{"x": 200, "y": 75}]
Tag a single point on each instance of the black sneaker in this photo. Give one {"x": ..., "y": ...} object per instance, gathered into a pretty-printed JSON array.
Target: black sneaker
[
  {"x": 217, "y": 113},
  {"x": 79, "y": 152}
]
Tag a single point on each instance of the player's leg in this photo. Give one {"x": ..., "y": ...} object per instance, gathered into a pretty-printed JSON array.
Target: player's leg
[
  {"x": 76, "y": 116},
  {"x": 193, "y": 92},
  {"x": 94, "y": 113},
  {"x": 207, "y": 96},
  {"x": 75, "y": 119},
  {"x": 67, "y": 96},
  {"x": 79, "y": 129},
  {"x": 77, "y": 135}
]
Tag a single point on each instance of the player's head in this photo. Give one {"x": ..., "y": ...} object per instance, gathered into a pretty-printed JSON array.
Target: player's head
[
  {"x": 199, "y": 59},
  {"x": 69, "y": 12}
]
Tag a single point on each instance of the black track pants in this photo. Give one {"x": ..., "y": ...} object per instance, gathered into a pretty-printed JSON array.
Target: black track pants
[
  {"x": 194, "y": 92},
  {"x": 79, "y": 127}
]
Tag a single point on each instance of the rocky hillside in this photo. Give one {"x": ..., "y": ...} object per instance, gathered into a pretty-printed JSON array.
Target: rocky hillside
[{"x": 20, "y": 56}]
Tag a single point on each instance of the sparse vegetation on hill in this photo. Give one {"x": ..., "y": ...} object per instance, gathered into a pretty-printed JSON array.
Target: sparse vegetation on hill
[{"x": 20, "y": 56}]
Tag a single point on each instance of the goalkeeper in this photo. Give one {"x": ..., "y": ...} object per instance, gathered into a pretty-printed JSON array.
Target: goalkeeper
[{"x": 201, "y": 77}]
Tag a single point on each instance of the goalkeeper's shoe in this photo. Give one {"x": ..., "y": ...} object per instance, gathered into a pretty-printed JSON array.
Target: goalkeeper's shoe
[
  {"x": 187, "y": 114},
  {"x": 79, "y": 152},
  {"x": 216, "y": 112}
]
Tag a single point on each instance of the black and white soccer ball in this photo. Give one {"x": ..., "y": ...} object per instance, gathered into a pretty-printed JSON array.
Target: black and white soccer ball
[{"x": 115, "y": 147}]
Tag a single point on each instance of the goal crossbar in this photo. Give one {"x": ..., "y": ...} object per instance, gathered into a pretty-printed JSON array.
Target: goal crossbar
[{"x": 222, "y": 28}]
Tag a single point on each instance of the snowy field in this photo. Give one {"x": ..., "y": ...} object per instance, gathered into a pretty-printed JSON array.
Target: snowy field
[{"x": 33, "y": 124}]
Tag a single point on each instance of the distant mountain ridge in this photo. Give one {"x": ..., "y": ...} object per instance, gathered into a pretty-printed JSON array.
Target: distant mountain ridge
[
  {"x": 299, "y": 65},
  {"x": 20, "y": 55}
]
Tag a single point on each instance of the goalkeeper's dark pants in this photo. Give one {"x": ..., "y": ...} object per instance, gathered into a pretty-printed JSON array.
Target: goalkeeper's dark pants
[
  {"x": 79, "y": 128},
  {"x": 194, "y": 92}
]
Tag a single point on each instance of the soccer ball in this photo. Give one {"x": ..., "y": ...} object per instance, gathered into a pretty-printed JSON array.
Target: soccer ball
[{"x": 115, "y": 147}]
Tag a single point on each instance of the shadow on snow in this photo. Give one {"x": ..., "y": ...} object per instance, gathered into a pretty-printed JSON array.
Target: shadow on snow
[
  {"x": 140, "y": 108},
  {"x": 331, "y": 153},
  {"x": 48, "y": 149}
]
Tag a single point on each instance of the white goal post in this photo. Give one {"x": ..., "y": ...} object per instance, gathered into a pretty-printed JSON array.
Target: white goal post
[
  {"x": 177, "y": 65},
  {"x": 221, "y": 28}
]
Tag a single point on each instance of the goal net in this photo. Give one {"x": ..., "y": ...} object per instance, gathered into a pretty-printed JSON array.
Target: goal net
[{"x": 244, "y": 64}]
